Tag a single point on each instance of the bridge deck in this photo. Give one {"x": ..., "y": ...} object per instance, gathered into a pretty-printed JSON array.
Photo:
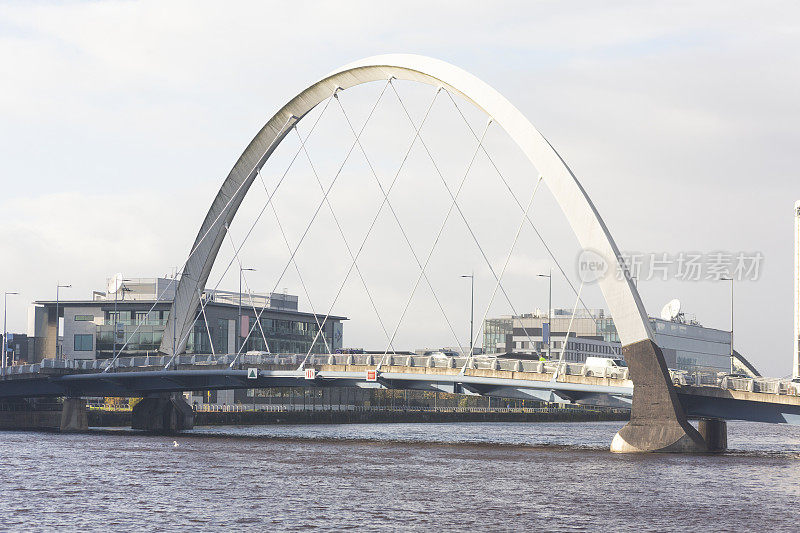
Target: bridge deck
[{"x": 764, "y": 400}]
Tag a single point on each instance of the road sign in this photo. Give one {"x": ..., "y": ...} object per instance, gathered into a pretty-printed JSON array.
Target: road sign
[
  {"x": 372, "y": 375},
  {"x": 252, "y": 373},
  {"x": 311, "y": 373}
]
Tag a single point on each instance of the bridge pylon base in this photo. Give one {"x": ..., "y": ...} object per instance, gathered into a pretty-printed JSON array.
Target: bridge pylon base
[
  {"x": 644, "y": 438},
  {"x": 715, "y": 432},
  {"x": 658, "y": 421},
  {"x": 74, "y": 416},
  {"x": 163, "y": 413}
]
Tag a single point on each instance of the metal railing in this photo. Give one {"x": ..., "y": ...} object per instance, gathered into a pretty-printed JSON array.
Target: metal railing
[{"x": 291, "y": 361}]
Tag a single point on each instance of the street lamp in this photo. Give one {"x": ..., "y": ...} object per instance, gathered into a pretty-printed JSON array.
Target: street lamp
[
  {"x": 471, "y": 311},
  {"x": 731, "y": 280},
  {"x": 5, "y": 330},
  {"x": 58, "y": 286},
  {"x": 239, "y": 320},
  {"x": 549, "y": 308},
  {"x": 122, "y": 288}
]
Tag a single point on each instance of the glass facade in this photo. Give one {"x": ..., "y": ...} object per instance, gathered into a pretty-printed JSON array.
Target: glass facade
[
  {"x": 144, "y": 341},
  {"x": 142, "y": 333},
  {"x": 496, "y": 331},
  {"x": 606, "y": 328}
]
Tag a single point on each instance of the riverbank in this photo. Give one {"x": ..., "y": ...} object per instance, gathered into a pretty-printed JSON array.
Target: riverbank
[{"x": 99, "y": 418}]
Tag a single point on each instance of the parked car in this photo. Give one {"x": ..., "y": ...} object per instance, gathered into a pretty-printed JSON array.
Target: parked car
[{"x": 600, "y": 366}]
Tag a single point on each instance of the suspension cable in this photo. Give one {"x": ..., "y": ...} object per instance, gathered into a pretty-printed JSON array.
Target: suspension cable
[
  {"x": 208, "y": 329},
  {"x": 247, "y": 287},
  {"x": 344, "y": 238},
  {"x": 258, "y": 217},
  {"x": 423, "y": 267},
  {"x": 461, "y": 213},
  {"x": 313, "y": 218},
  {"x": 505, "y": 265},
  {"x": 146, "y": 317},
  {"x": 519, "y": 204},
  {"x": 383, "y": 202},
  {"x": 294, "y": 261},
  {"x": 403, "y": 232},
  {"x": 566, "y": 338}
]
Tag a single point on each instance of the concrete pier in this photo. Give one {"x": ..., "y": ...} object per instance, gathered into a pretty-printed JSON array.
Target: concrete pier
[
  {"x": 715, "y": 432},
  {"x": 71, "y": 415},
  {"x": 658, "y": 421},
  {"x": 164, "y": 413},
  {"x": 74, "y": 416}
]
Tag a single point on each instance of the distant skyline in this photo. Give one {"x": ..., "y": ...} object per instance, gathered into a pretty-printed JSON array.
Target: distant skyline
[{"x": 119, "y": 120}]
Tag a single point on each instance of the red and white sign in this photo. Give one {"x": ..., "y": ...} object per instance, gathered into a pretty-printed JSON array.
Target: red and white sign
[
  {"x": 372, "y": 375},
  {"x": 311, "y": 373}
]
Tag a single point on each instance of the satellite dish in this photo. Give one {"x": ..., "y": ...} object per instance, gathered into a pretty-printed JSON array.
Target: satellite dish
[
  {"x": 115, "y": 283},
  {"x": 672, "y": 310}
]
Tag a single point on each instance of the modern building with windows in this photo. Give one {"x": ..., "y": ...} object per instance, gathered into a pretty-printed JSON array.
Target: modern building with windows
[
  {"x": 131, "y": 321},
  {"x": 687, "y": 345},
  {"x": 589, "y": 335}
]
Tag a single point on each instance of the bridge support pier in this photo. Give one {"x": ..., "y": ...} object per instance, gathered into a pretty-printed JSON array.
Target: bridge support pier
[
  {"x": 658, "y": 422},
  {"x": 74, "y": 416},
  {"x": 163, "y": 413},
  {"x": 715, "y": 432}
]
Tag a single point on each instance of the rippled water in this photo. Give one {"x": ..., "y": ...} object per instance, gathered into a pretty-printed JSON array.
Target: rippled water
[{"x": 491, "y": 476}]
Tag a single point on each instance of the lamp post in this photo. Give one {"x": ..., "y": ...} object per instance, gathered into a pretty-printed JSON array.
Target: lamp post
[
  {"x": 5, "y": 329},
  {"x": 116, "y": 314},
  {"x": 731, "y": 280},
  {"x": 58, "y": 286},
  {"x": 239, "y": 315},
  {"x": 471, "y": 311},
  {"x": 549, "y": 308}
]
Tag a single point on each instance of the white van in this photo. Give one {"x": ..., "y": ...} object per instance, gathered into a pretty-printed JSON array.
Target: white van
[{"x": 604, "y": 366}]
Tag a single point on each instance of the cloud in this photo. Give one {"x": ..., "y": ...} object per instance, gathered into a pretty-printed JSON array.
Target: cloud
[{"x": 119, "y": 119}]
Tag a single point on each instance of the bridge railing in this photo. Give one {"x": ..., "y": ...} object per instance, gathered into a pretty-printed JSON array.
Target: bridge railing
[{"x": 679, "y": 377}]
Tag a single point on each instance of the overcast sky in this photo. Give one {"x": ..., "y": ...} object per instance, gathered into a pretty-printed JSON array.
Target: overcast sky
[{"x": 119, "y": 120}]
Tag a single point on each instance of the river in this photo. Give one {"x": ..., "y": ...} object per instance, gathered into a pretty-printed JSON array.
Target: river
[{"x": 454, "y": 477}]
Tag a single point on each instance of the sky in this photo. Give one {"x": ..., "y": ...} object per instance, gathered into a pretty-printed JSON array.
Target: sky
[{"x": 119, "y": 121}]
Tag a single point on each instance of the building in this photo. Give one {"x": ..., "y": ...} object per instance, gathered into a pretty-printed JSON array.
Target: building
[
  {"x": 686, "y": 345},
  {"x": 19, "y": 348},
  {"x": 132, "y": 320},
  {"x": 591, "y": 334}
]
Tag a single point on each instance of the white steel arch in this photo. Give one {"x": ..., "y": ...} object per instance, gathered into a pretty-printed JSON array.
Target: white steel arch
[{"x": 621, "y": 295}]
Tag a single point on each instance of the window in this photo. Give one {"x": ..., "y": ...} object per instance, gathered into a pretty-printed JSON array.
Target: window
[
  {"x": 84, "y": 318},
  {"x": 83, "y": 342}
]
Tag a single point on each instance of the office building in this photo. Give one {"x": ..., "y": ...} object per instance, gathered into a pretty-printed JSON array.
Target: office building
[
  {"x": 686, "y": 344},
  {"x": 132, "y": 321}
]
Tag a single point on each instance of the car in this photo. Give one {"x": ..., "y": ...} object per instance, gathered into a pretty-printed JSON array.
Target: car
[
  {"x": 722, "y": 376},
  {"x": 602, "y": 366},
  {"x": 733, "y": 375}
]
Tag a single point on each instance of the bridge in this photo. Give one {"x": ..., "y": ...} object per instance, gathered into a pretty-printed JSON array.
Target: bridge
[
  {"x": 701, "y": 395},
  {"x": 661, "y": 402}
]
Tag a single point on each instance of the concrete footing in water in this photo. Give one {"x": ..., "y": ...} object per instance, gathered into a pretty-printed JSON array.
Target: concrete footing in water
[
  {"x": 74, "y": 416},
  {"x": 165, "y": 413},
  {"x": 37, "y": 414},
  {"x": 658, "y": 421},
  {"x": 715, "y": 433}
]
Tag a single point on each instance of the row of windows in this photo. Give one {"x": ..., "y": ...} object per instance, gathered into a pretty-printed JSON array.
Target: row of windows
[
  {"x": 134, "y": 318},
  {"x": 594, "y": 348}
]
